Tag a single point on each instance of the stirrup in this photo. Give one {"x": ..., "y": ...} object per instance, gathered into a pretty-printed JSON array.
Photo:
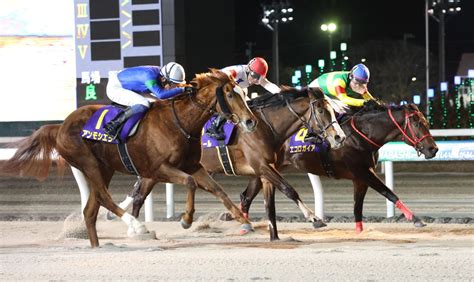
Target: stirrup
[{"x": 112, "y": 129}]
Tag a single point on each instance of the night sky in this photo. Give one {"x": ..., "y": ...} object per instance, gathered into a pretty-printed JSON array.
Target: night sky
[{"x": 303, "y": 42}]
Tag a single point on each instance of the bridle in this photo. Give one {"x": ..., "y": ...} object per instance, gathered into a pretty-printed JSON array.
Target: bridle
[
  {"x": 321, "y": 133},
  {"x": 413, "y": 140},
  {"x": 226, "y": 113}
]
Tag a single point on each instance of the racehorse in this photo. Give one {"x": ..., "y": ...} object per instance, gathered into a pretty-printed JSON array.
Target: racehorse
[
  {"x": 166, "y": 148},
  {"x": 254, "y": 154},
  {"x": 366, "y": 132}
]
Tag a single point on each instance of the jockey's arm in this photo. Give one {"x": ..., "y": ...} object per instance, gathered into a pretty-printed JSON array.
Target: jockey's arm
[
  {"x": 367, "y": 96},
  {"x": 343, "y": 97},
  {"x": 161, "y": 93},
  {"x": 269, "y": 86}
]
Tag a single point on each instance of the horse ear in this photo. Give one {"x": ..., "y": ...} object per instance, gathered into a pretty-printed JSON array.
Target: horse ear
[{"x": 316, "y": 92}]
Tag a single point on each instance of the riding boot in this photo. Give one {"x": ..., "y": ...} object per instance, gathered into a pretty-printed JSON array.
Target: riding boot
[
  {"x": 215, "y": 130},
  {"x": 113, "y": 126}
]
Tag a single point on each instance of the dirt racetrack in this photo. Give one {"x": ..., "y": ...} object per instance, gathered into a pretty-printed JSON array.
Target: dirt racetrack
[
  {"x": 213, "y": 251},
  {"x": 36, "y": 243}
]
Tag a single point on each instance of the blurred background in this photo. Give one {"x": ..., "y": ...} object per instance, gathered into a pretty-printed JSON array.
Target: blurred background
[{"x": 55, "y": 55}]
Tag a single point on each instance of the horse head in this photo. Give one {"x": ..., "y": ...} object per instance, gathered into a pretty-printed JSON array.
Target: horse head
[
  {"x": 415, "y": 130},
  {"x": 229, "y": 98},
  {"x": 412, "y": 125},
  {"x": 324, "y": 119}
]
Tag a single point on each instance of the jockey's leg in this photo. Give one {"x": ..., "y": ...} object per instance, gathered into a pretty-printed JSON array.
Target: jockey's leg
[
  {"x": 215, "y": 130},
  {"x": 112, "y": 127}
]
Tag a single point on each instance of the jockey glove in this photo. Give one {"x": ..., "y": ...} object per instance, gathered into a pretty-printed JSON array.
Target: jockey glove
[{"x": 190, "y": 90}]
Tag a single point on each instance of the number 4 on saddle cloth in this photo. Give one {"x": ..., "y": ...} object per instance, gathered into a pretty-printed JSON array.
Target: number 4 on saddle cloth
[
  {"x": 298, "y": 145},
  {"x": 94, "y": 128}
]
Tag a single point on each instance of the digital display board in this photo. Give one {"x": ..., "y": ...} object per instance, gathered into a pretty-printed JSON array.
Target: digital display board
[{"x": 112, "y": 35}]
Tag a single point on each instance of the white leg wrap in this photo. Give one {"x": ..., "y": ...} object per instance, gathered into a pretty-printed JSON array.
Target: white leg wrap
[
  {"x": 126, "y": 203},
  {"x": 134, "y": 226}
]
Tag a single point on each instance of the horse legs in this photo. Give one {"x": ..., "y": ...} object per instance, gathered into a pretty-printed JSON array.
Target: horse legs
[
  {"x": 380, "y": 187},
  {"x": 207, "y": 183},
  {"x": 269, "y": 196},
  {"x": 272, "y": 175},
  {"x": 90, "y": 217},
  {"x": 98, "y": 196},
  {"x": 174, "y": 175},
  {"x": 247, "y": 196},
  {"x": 360, "y": 189}
]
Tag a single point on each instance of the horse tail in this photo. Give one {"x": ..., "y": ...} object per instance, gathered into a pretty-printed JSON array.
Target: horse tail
[{"x": 34, "y": 154}]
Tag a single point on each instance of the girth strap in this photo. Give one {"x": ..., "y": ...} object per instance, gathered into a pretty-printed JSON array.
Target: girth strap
[
  {"x": 326, "y": 160},
  {"x": 125, "y": 157},
  {"x": 226, "y": 162}
]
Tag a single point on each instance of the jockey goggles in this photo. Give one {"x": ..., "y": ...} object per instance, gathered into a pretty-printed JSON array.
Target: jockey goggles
[{"x": 255, "y": 75}]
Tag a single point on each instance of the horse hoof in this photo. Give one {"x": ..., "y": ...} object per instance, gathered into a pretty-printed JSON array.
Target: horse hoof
[
  {"x": 110, "y": 216},
  {"x": 184, "y": 224},
  {"x": 245, "y": 228},
  {"x": 419, "y": 223},
  {"x": 137, "y": 230},
  {"x": 318, "y": 224}
]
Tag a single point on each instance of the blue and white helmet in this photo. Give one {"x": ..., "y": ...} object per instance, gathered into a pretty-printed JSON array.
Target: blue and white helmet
[
  {"x": 360, "y": 73},
  {"x": 173, "y": 72}
]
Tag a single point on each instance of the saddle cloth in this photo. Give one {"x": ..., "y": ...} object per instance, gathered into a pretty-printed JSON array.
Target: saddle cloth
[
  {"x": 94, "y": 127},
  {"x": 298, "y": 145}
]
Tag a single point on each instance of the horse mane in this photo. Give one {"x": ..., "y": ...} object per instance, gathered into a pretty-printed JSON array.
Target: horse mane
[
  {"x": 213, "y": 76},
  {"x": 268, "y": 99}
]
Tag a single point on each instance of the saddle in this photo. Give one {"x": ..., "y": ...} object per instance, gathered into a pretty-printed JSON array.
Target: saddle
[{"x": 93, "y": 129}]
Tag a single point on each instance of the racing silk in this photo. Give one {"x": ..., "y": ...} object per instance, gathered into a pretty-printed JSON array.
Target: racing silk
[
  {"x": 240, "y": 75},
  {"x": 144, "y": 79},
  {"x": 337, "y": 86}
]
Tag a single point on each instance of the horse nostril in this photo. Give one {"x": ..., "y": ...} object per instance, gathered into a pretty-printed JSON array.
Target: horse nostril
[
  {"x": 339, "y": 139},
  {"x": 433, "y": 150}
]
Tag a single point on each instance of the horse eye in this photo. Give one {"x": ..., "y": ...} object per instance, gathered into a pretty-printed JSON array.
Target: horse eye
[
  {"x": 320, "y": 110},
  {"x": 230, "y": 94}
]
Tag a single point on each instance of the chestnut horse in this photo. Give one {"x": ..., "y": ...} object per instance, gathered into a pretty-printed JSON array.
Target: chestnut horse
[
  {"x": 366, "y": 132},
  {"x": 166, "y": 148},
  {"x": 279, "y": 116}
]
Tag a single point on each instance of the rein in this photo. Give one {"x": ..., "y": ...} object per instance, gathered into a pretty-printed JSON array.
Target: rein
[
  {"x": 414, "y": 140},
  {"x": 211, "y": 110}
]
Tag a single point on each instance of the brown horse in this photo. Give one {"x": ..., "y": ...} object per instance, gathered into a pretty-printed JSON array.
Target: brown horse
[
  {"x": 366, "y": 132},
  {"x": 166, "y": 148},
  {"x": 254, "y": 154}
]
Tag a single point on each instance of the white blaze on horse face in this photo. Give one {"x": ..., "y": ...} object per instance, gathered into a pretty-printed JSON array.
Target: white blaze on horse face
[{"x": 240, "y": 91}]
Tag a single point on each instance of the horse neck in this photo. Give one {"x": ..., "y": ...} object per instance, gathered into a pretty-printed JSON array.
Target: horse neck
[
  {"x": 193, "y": 112},
  {"x": 378, "y": 127},
  {"x": 284, "y": 122}
]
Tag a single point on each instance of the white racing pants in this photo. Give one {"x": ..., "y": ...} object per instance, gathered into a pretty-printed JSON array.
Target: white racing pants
[{"x": 122, "y": 96}]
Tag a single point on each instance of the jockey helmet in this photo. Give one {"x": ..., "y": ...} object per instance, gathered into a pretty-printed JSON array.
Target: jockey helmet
[
  {"x": 258, "y": 67},
  {"x": 173, "y": 72},
  {"x": 360, "y": 73}
]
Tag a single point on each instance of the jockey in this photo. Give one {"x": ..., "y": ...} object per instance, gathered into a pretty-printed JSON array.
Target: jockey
[
  {"x": 341, "y": 85},
  {"x": 253, "y": 73},
  {"x": 128, "y": 86}
]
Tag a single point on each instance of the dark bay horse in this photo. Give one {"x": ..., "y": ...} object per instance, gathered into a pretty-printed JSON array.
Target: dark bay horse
[
  {"x": 279, "y": 116},
  {"x": 366, "y": 132},
  {"x": 166, "y": 148}
]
